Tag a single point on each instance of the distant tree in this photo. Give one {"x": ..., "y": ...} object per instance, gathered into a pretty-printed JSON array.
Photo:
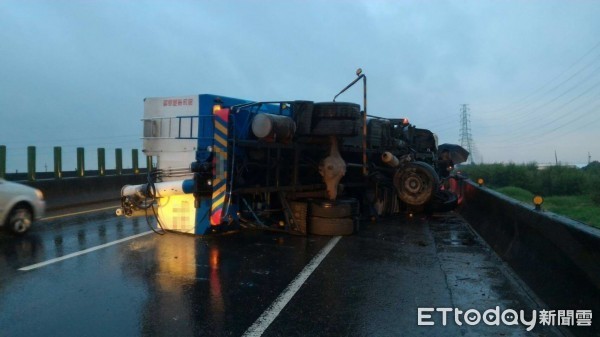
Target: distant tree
[{"x": 593, "y": 167}]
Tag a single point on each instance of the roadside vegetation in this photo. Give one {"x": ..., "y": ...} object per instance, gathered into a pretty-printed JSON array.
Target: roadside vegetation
[{"x": 568, "y": 191}]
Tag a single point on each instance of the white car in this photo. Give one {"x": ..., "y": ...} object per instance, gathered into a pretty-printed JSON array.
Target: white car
[{"x": 19, "y": 206}]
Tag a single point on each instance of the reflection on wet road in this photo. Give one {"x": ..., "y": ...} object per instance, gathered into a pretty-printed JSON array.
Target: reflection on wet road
[{"x": 180, "y": 285}]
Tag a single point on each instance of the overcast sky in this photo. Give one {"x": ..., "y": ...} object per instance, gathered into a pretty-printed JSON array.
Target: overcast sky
[{"x": 75, "y": 73}]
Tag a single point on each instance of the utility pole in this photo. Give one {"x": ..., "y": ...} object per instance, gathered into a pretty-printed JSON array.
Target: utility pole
[
  {"x": 555, "y": 157},
  {"x": 466, "y": 140},
  {"x": 589, "y": 158}
]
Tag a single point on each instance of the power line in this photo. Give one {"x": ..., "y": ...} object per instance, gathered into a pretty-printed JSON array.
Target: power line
[
  {"x": 516, "y": 103},
  {"x": 522, "y": 116},
  {"x": 536, "y": 139},
  {"x": 554, "y": 116}
]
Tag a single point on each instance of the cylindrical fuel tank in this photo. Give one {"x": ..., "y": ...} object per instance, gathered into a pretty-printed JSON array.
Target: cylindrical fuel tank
[
  {"x": 390, "y": 159},
  {"x": 273, "y": 128}
]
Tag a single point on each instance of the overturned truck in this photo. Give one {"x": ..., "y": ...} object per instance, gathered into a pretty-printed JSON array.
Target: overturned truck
[{"x": 298, "y": 166}]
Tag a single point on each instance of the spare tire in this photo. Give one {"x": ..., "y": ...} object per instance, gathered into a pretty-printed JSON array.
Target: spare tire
[
  {"x": 340, "y": 208},
  {"x": 416, "y": 183},
  {"x": 330, "y": 226}
]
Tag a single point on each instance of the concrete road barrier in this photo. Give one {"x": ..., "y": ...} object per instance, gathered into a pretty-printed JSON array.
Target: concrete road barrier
[
  {"x": 558, "y": 258},
  {"x": 61, "y": 193}
]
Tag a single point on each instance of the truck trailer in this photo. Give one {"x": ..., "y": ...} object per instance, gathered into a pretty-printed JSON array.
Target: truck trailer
[{"x": 298, "y": 166}]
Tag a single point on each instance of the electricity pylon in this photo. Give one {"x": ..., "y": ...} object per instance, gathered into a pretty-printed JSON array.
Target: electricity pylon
[{"x": 466, "y": 139}]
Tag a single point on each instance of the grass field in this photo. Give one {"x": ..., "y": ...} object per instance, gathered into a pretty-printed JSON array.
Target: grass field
[{"x": 580, "y": 207}]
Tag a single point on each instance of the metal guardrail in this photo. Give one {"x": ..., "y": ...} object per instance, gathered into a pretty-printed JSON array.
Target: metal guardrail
[{"x": 58, "y": 173}]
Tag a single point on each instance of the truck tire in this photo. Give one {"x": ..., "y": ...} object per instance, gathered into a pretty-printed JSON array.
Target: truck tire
[
  {"x": 356, "y": 224},
  {"x": 303, "y": 111},
  {"x": 299, "y": 211},
  {"x": 336, "y": 127},
  {"x": 332, "y": 226},
  {"x": 341, "y": 208},
  {"x": 416, "y": 183},
  {"x": 19, "y": 220},
  {"x": 443, "y": 201},
  {"x": 336, "y": 119},
  {"x": 336, "y": 110}
]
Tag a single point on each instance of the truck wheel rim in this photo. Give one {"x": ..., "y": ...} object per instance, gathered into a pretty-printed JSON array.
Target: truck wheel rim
[{"x": 413, "y": 184}]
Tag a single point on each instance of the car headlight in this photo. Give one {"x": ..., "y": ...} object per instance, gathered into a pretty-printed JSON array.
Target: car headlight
[{"x": 39, "y": 194}]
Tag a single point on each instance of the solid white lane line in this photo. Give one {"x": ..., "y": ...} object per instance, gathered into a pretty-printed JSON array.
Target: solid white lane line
[
  {"x": 78, "y": 213},
  {"x": 81, "y": 252},
  {"x": 267, "y": 317}
]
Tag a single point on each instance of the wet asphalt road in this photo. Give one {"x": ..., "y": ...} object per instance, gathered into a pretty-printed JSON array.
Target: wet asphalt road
[{"x": 370, "y": 284}]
